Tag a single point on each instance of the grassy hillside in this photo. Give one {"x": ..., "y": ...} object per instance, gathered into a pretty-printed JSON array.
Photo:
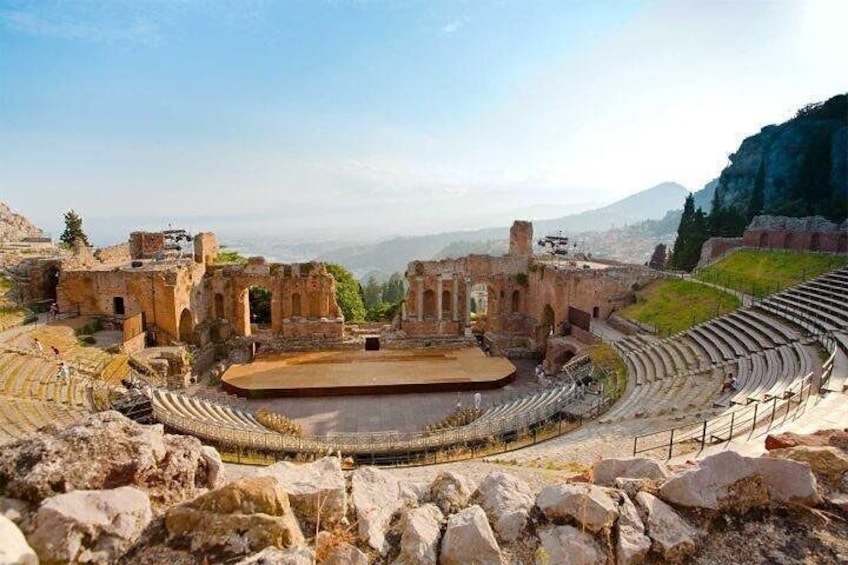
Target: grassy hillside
[
  {"x": 762, "y": 272},
  {"x": 675, "y": 305}
]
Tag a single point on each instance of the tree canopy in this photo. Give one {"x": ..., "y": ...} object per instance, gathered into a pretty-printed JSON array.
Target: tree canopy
[
  {"x": 347, "y": 293},
  {"x": 691, "y": 235},
  {"x": 73, "y": 229}
]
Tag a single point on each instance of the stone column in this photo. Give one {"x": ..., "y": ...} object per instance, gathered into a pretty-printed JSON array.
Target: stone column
[
  {"x": 419, "y": 297},
  {"x": 439, "y": 298},
  {"x": 455, "y": 300},
  {"x": 467, "y": 301}
]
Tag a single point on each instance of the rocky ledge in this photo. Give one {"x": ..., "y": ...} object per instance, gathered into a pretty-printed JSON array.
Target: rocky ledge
[{"x": 110, "y": 491}]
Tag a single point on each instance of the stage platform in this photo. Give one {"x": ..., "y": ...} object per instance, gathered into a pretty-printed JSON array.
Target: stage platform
[{"x": 322, "y": 373}]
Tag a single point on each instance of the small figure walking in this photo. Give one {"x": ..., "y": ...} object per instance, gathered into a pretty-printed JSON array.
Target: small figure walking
[
  {"x": 38, "y": 347},
  {"x": 64, "y": 372},
  {"x": 55, "y": 350},
  {"x": 477, "y": 400},
  {"x": 54, "y": 311}
]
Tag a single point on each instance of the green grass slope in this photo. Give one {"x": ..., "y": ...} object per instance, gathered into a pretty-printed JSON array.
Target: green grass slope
[
  {"x": 762, "y": 272},
  {"x": 672, "y": 306}
]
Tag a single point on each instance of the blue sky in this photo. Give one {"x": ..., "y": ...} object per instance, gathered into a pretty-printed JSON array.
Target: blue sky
[{"x": 368, "y": 118}]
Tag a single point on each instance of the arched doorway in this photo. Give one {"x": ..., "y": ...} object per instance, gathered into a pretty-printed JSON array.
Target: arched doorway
[
  {"x": 186, "y": 327},
  {"x": 516, "y": 301},
  {"x": 219, "y": 305},
  {"x": 787, "y": 241},
  {"x": 295, "y": 305},
  {"x": 50, "y": 282},
  {"x": 815, "y": 242},
  {"x": 446, "y": 305},
  {"x": 429, "y": 304},
  {"x": 546, "y": 328},
  {"x": 764, "y": 239},
  {"x": 259, "y": 303}
]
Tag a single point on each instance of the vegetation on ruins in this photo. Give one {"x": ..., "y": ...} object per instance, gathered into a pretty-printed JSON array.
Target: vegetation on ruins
[
  {"x": 348, "y": 293},
  {"x": 230, "y": 256},
  {"x": 759, "y": 272},
  {"x": 260, "y": 305},
  {"x": 73, "y": 229},
  {"x": 671, "y": 306},
  {"x": 659, "y": 257}
]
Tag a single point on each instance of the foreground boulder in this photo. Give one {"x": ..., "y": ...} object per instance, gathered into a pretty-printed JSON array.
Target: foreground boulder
[
  {"x": 827, "y": 462},
  {"x": 421, "y": 531},
  {"x": 507, "y": 501},
  {"x": 244, "y": 516},
  {"x": 450, "y": 492},
  {"x": 586, "y": 504},
  {"x": 276, "y": 556},
  {"x": 633, "y": 544},
  {"x": 14, "y": 549},
  {"x": 566, "y": 545},
  {"x": 673, "y": 538},
  {"x": 317, "y": 491},
  {"x": 345, "y": 554},
  {"x": 606, "y": 471},
  {"x": 90, "y": 526},
  {"x": 104, "y": 451},
  {"x": 821, "y": 438},
  {"x": 469, "y": 539},
  {"x": 729, "y": 480},
  {"x": 376, "y": 496}
]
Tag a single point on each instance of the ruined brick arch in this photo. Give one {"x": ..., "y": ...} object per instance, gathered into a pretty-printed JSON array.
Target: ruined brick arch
[
  {"x": 295, "y": 305},
  {"x": 430, "y": 304},
  {"x": 815, "y": 242},
  {"x": 219, "y": 305},
  {"x": 186, "y": 327},
  {"x": 516, "y": 301},
  {"x": 315, "y": 306},
  {"x": 787, "y": 241},
  {"x": 547, "y": 326},
  {"x": 446, "y": 303},
  {"x": 764, "y": 239}
]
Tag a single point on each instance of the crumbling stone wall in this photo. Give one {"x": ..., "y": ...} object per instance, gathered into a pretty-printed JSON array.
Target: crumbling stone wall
[
  {"x": 813, "y": 233},
  {"x": 145, "y": 245},
  {"x": 115, "y": 254}
]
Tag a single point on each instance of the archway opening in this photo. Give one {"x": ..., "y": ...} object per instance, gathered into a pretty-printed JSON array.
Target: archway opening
[
  {"x": 546, "y": 328},
  {"x": 787, "y": 241},
  {"x": 446, "y": 304},
  {"x": 51, "y": 281},
  {"x": 219, "y": 305},
  {"x": 295, "y": 305},
  {"x": 259, "y": 301},
  {"x": 186, "y": 328},
  {"x": 764, "y": 239},
  {"x": 429, "y": 304},
  {"x": 842, "y": 243},
  {"x": 516, "y": 301},
  {"x": 815, "y": 242},
  {"x": 479, "y": 301}
]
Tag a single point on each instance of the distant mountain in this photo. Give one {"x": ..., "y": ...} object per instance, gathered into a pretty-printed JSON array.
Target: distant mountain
[
  {"x": 704, "y": 197},
  {"x": 15, "y": 227},
  {"x": 393, "y": 254},
  {"x": 802, "y": 165}
]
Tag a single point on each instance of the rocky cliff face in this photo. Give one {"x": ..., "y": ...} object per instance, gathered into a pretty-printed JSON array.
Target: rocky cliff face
[
  {"x": 15, "y": 227},
  {"x": 803, "y": 164}
]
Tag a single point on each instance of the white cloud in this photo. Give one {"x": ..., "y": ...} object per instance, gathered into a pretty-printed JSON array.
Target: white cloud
[{"x": 453, "y": 26}]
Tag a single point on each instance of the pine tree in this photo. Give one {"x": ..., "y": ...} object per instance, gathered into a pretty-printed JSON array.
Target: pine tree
[
  {"x": 755, "y": 205},
  {"x": 73, "y": 229}
]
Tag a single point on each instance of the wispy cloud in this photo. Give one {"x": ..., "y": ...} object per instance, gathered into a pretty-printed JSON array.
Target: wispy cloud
[{"x": 454, "y": 26}]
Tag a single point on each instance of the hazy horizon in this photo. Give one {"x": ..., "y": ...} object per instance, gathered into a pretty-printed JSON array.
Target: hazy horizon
[{"x": 344, "y": 119}]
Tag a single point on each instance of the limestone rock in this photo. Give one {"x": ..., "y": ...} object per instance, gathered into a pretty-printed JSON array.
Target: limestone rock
[
  {"x": 419, "y": 542},
  {"x": 673, "y": 538},
  {"x": 821, "y": 438},
  {"x": 345, "y": 554},
  {"x": 216, "y": 474},
  {"x": 632, "y": 486},
  {"x": 103, "y": 451},
  {"x": 827, "y": 462},
  {"x": 606, "y": 471},
  {"x": 317, "y": 491},
  {"x": 13, "y": 509},
  {"x": 567, "y": 545},
  {"x": 729, "y": 480},
  {"x": 507, "y": 501},
  {"x": 469, "y": 540},
  {"x": 246, "y": 515},
  {"x": 276, "y": 556},
  {"x": 90, "y": 526},
  {"x": 632, "y": 545},
  {"x": 14, "y": 549},
  {"x": 586, "y": 504},
  {"x": 412, "y": 492},
  {"x": 376, "y": 496},
  {"x": 450, "y": 492}
]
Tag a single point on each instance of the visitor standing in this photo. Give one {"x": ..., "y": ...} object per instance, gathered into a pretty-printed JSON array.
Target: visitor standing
[{"x": 37, "y": 345}]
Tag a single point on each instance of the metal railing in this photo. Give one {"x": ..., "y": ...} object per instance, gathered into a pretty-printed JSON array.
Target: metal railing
[{"x": 695, "y": 437}]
